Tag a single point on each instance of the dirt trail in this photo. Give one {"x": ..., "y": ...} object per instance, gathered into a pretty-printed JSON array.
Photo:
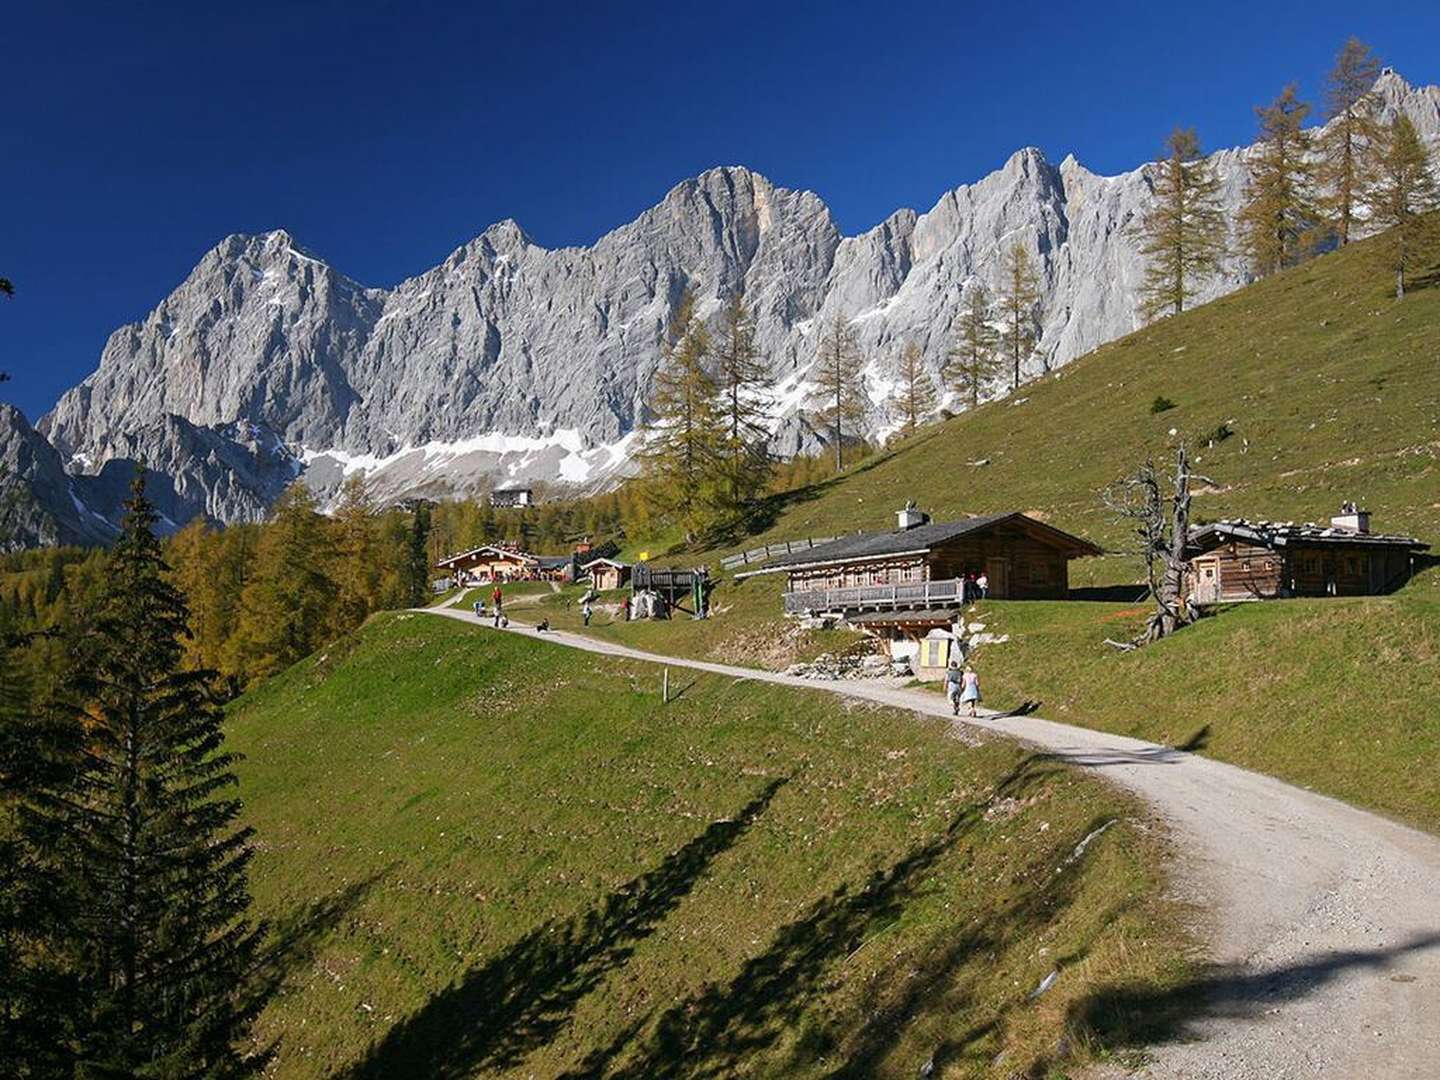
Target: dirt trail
[{"x": 1327, "y": 918}]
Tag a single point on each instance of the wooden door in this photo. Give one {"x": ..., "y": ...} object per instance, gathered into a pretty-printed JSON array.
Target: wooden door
[
  {"x": 1207, "y": 581},
  {"x": 998, "y": 571}
]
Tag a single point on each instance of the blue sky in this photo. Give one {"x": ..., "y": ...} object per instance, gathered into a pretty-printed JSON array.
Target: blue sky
[{"x": 134, "y": 137}]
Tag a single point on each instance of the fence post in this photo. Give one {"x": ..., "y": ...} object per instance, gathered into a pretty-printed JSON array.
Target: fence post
[{"x": 665, "y": 688}]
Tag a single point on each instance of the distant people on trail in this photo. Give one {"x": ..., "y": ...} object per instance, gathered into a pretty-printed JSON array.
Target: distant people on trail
[
  {"x": 954, "y": 681},
  {"x": 625, "y": 609},
  {"x": 983, "y": 584},
  {"x": 497, "y": 598},
  {"x": 970, "y": 691},
  {"x": 585, "y": 612},
  {"x": 480, "y": 608},
  {"x": 542, "y": 626}
]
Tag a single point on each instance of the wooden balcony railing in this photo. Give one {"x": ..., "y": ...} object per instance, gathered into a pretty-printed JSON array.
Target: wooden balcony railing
[{"x": 915, "y": 594}]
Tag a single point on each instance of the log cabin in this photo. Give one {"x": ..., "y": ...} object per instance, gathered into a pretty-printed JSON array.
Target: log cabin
[
  {"x": 1240, "y": 560},
  {"x": 901, "y": 585}
]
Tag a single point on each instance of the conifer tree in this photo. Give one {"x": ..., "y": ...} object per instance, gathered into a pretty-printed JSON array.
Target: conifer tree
[
  {"x": 1279, "y": 216},
  {"x": 37, "y": 993},
  {"x": 839, "y": 392},
  {"x": 1019, "y": 293},
  {"x": 286, "y": 607},
  {"x": 916, "y": 399},
  {"x": 1182, "y": 233},
  {"x": 1403, "y": 200},
  {"x": 1347, "y": 145},
  {"x": 744, "y": 382},
  {"x": 973, "y": 362},
  {"x": 684, "y": 447},
  {"x": 417, "y": 557},
  {"x": 144, "y": 834},
  {"x": 357, "y": 564}
]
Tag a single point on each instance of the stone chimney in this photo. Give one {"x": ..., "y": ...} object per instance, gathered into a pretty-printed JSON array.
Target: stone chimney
[
  {"x": 911, "y": 516},
  {"x": 1351, "y": 519}
]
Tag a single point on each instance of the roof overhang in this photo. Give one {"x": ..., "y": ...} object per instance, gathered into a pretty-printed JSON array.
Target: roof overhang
[{"x": 786, "y": 568}]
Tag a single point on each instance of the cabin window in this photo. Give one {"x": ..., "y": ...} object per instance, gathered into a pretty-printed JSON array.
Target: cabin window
[{"x": 1245, "y": 567}]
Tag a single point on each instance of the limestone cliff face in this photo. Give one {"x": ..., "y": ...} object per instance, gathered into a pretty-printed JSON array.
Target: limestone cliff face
[{"x": 510, "y": 361}]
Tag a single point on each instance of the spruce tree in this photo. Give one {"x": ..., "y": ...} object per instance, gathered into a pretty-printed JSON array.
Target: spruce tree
[
  {"x": 1182, "y": 232},
  {"x": 1347, "y": 145},
  {"x": 1019, "y": 293},
  {"x": 1278, "y": 219},
  {"x": 973, "y": 362},
  {"x": 916, "y": 398},
  {"x": 839, "y": 392},
  {"x": 417, "y": 557},
  {"x": 744, "y": 382},
  {"x": 1403, "y": 200},
  {"x": 144, "y": 834},
  {"x": 684, "y": 447},
  {"x": 37, "y": 989}
]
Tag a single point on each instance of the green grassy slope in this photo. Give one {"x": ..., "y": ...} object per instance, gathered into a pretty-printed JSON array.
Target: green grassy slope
[
  {"x": 487, "y": 855},
  {"x": 1332, "y": 391}
]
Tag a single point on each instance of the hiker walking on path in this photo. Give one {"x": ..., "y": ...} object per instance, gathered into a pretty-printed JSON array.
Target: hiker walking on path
[
  {"x": 970, "y": 689},
  {"x": 480, "y": 608},
  {"x": 497, "y": 598},
  {"x": 585, "y": 612},
  {"x": 625, "y": 609},
  {"x": 954, "y": 680}
]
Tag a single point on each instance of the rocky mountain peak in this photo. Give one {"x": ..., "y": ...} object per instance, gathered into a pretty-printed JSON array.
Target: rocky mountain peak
[{"x": 510, "y": 361}]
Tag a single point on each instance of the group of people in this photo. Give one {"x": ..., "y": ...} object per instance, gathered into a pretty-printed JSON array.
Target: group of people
[
  {"x": 962, "y": 687},
  {"x": 497, "y": 601},
  {"x": 974, "y": 587}
]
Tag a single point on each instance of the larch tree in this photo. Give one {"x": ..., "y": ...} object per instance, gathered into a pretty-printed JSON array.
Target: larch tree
[
  {"x": 973, "y": 362},
  {"x": 286, "y": 606},
  {"x": 745, "y": 386},
  {"x": 1019, "y": 293},
  {"x": 1347, "y": 145},
  {"x": 1404, "y": 200},
  {"x": 1182, "y": 232},
  {"x": 839, "y": 393},
  {"x": 684, "y": 445},
  {"x": 1278, "y": 218},
  {"x": 144, "y": 833},
  {"x": 916, "y": 400},
  {"x": 357, "y": 564}
]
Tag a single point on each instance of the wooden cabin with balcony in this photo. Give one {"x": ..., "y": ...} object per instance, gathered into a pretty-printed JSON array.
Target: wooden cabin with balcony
[
  {"x": 923, "y": 569},
  {"x": 1238, "y": 560}
]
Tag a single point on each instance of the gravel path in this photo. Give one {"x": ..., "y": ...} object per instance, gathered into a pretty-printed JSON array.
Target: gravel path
[{"x": 1326, "y": 918}]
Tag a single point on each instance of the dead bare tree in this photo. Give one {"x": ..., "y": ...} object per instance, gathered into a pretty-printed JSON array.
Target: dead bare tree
[{"x": 1162, "y": 525}]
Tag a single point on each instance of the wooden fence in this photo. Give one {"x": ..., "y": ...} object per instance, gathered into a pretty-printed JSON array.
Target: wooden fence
[{"x": 760, "y": 554}]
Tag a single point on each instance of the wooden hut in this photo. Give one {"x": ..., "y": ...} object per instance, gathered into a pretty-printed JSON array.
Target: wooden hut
[
  {"x": 491, "y": 562},
  {"x": 903, "y": 584},
  {"x": 607, "y": 573},
  {"x": 1264, "y": 560}
]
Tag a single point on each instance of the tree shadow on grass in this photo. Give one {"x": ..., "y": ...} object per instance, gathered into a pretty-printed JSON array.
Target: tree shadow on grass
[
  {"x": 292, "y": 942},
  {"x": 718, "y": 1031},
  {"x": 524, "y": 997}
]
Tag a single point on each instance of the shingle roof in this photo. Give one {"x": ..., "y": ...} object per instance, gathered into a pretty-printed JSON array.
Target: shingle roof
[
  {"x": 1283, "y": 533},
  {"x": 902, "y": 541}
]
